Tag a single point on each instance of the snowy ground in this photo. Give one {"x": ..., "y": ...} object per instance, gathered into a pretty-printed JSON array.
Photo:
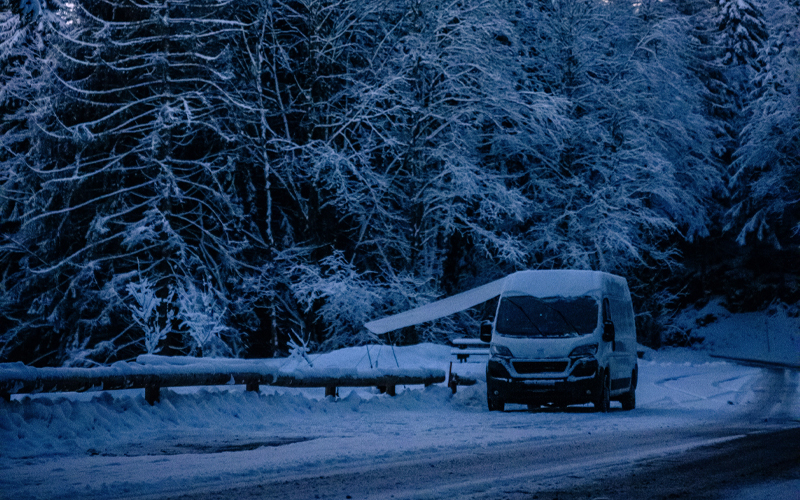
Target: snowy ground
[
  {"x": 112, "y": 445},
  {"x": 773, "y": 335}
]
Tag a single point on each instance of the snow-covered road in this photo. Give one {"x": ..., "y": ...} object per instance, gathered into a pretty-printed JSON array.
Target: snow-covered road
[
  {"x": 422, "y": 443},
  {"x": 517, "y": 470}
]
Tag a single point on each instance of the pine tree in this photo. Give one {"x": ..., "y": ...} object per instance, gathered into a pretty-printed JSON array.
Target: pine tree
[
  {"x": 766, "y": 178},
  {"x": 29, "y": 99},
  {"x": 132, "y": 176},
  {"x": 743, "y": 31}
]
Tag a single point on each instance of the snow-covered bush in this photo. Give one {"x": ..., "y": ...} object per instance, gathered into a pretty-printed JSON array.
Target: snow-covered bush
[
  {"x": 202, "y": 313},
  {"x": 144, "y": 311},
  {"x": 299, "y": 346},
  {"x": 342, "y": 298}
]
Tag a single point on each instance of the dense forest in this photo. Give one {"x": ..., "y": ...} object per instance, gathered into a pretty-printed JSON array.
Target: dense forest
[{"x": 248, "y": 177}]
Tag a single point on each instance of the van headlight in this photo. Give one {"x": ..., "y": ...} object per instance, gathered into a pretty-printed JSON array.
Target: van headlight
[
  {"x": 500, "y": 351},
  {"x": 584, "y": 364},
  {"x": 584, "y": 350}
]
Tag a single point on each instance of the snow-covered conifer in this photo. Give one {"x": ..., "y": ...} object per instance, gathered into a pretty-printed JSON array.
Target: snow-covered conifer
[
  {"x": 742, "y": 30},
  {"x": 766, "y": 170}
]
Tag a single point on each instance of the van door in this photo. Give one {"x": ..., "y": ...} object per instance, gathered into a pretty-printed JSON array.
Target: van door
[
  {"x": 623, "y": 355},
  {"x": 608, "y": 318}
]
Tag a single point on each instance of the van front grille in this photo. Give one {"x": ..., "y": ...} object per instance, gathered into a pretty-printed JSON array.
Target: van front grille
[{"x": 526, "y": 367}]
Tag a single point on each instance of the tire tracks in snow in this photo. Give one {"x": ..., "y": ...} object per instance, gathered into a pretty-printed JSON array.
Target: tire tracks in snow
[
  {"x": 776, "y": 391},
  {"x": 713, "y": 472},
  {"x": 512, "y": 471}
]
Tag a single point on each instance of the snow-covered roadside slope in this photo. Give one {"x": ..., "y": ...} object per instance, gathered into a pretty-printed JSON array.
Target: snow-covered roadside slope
[
  {"x": 771, "y": 336},
  {"x": 81, "y": 444}
]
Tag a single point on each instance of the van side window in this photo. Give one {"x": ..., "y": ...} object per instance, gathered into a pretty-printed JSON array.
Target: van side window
[
  {"x": 606, "y": 311},
  {"x": 620, "y": 311}
]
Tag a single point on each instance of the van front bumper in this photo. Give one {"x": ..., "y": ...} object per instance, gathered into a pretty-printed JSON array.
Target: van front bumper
[{"x": 502, "y": 385}]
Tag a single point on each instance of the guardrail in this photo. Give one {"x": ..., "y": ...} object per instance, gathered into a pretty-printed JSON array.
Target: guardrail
[
  {"x": 758, "y": 362},
  {"x": 17, "y": 378}
]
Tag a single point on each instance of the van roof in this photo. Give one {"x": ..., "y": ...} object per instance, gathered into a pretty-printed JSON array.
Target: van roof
[{"x": 566, "y": 283}]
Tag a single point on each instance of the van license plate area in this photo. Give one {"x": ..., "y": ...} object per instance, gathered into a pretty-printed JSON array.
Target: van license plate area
[
  {"x": 540, "y": 383},
  {"x": 528, "y": 367}
]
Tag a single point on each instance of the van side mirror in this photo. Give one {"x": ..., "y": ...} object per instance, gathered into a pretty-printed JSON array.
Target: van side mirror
[
  {"x": 486, "y": 332},
  {"x": 609, "y": 332}
]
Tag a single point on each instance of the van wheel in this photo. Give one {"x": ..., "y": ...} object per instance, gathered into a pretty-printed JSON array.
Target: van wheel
[
  {"x": 496, "y": 404},
  {"x": 628, "y": 399},
  {"x": 603, "y": 401}
]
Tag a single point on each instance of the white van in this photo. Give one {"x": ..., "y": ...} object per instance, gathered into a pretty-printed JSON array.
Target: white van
[{"x": 562, "y": 338}]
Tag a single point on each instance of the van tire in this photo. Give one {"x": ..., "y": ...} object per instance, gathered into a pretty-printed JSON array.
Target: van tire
[
  {"x": 628, "y": 399},
  {"x": 603, "y": 401},
  {"x": 496, "y": 404}
]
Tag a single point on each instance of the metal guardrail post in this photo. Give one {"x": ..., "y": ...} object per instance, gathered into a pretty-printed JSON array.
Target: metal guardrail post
[{"x": 152, "y": 393}]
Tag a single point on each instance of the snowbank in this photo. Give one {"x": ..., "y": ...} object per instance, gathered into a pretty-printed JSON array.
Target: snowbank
[{"x": 771, "y": 336}]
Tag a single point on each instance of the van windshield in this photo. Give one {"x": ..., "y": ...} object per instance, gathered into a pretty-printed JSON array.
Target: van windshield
[{"x": 528, "y": 316}]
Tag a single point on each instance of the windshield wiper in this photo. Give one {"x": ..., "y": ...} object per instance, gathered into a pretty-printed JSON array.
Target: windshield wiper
[
  {"x": 569, "y": 324},
  {"x": 525, "y": 313},
  {"x": 547, "y": 305}
]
